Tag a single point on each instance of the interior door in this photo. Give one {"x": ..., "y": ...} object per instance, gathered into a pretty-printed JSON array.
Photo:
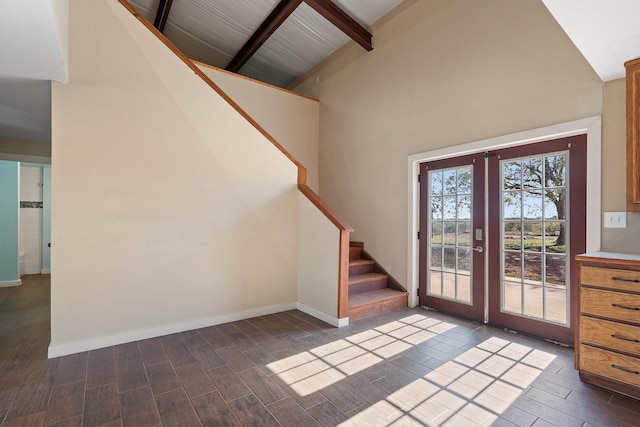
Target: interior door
[
  {"x": 537, "y": 218},
  {"x": 452, "y": 236}
]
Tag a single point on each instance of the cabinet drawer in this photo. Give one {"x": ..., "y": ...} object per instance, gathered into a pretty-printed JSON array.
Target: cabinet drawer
[
  {"x": 623, "y": 280},
  {"x": 615, "y": 305},
  {"x": 614, "y": 335},
  {"x": 611, "y": 365}
]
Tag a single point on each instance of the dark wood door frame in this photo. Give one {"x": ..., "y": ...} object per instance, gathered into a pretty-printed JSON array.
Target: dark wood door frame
[
  {"x": 577, "y": 147},
  {"x": 475, "y": 311}
]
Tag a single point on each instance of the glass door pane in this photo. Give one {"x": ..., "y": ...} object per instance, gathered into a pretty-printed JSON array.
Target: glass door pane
[
  {"x": 534, "y": 237},
  {"x": 450, "y": 205},
  {"x": 452, "y": 237}
]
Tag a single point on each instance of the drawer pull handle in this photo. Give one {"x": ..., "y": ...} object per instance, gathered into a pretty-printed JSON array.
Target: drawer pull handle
[
  {"x": 625, "y": 307},
  {"x": 631, "y": 371},
  {"x": 624, "y": 339},
  {"x": 622, "y": 279}
]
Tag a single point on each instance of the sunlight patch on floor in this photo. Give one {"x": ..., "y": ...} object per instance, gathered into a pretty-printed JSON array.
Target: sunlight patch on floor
[
  {"x": 472, "y": 389},
  {"x": 311, "y": 371}
]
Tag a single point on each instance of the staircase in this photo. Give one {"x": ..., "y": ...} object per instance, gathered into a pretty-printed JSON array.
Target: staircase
[{"x": 372, "y": 290}]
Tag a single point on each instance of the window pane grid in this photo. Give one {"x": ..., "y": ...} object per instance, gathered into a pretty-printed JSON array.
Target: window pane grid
[
  {"x": 450, "y": 205},
  {"x": 534, "y": 237}
]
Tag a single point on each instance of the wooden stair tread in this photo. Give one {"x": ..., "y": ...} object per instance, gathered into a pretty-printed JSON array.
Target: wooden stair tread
[
  {"x": 367, "y": 277},
  {"x": 374, "y": 296},
  {"x": 357, "y": 262}
]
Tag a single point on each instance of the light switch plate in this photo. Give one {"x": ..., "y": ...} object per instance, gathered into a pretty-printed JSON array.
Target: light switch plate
[{"x": 615, "y": 220}]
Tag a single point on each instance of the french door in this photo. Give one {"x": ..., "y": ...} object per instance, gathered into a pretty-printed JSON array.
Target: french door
[
  {"x": 520, "y": 257},
  {"x": 452, "y": 235}
]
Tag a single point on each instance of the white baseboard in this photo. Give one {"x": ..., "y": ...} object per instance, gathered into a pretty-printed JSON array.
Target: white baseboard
[
  {"x": 57, "y": 350},
  {"x": 334, "y": 321},
  {"x": 45, "y": 271},
  {"x": 10, "y": 283}
]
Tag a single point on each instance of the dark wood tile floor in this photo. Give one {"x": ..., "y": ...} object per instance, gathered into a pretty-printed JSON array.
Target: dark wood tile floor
[{"x": 410, "y": 367}]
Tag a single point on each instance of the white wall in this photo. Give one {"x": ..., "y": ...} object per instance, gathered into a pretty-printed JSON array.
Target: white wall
[
  {"x": 292, "y": 119},
  {"x": 442, "y": 73},
  {"x": 170, "y": 211},
  {"x": 318, "y": 255}
]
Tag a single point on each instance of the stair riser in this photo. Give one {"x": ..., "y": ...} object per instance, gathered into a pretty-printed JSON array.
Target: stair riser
[
  {"x": 355, "y": 253},
  {"x": 368, "y": 286},
  {"x": 360, "y": 269},
  {"x": 380, "y": 307}
]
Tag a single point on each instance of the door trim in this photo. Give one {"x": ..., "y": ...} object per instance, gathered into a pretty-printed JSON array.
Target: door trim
[{"x": 590, "y": 126}]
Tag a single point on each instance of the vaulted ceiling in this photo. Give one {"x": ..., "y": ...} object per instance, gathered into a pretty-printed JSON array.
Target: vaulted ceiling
[{"x": 275, "y": 41}]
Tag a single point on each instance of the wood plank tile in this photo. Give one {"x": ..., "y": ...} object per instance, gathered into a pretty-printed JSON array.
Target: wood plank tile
[
  {"x": 207, "y": 357},
  {"x": 262, "y": 386},
  {"x": 71, "y": 422},
  {"x": 343, "y": 398},
  {"x": 228, "y": 383},
  {"x": 152, "y": 351},
  {"x": 194, "y": 380},
  {"x": 213, "y": 411},
  {"x": 26, "y": 421},
  {"x": 192, "y": 338},
  {"x": 371, "y": 393},
  {"x": 178, "y": 353},
  {"x": 101, "y": 406},
  {"x": 306, "y": 399},
  {"x": 327, "y": 414},
  {"x": 126, "y": 353},
  {"x": 66, "y": 402},
  {"x": 176, "y": 410},
  {"x": 9, "y": 387},
  {"x": 215, "y": 337},
  {"x": 251, "y": 412},
  {"x": 235, "y": 358},
  {"x": 72, "y": 368},
  {"x": 261, "y": 358},
  {"x": 32, "y": 398},
  {"x": 579, "y": 411},
  {"x": 131, "y": 375},
  {"x": 138, "y": 408},
  {"x": 246, "y": 327},
  {"x": 241, "y": 341},
  {"x": 162, "y": 377},
  {"x": 290, "y": 414},
  {"x": 101, "y": 371}
]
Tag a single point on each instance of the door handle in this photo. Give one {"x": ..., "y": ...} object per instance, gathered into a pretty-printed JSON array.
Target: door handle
[{"x": 478, "y": 248}]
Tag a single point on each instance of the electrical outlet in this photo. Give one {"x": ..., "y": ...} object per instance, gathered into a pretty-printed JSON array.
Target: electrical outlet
[{"x": 615, "y": 220}]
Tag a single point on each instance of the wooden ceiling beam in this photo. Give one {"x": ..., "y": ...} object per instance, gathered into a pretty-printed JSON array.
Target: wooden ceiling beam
[
  {"x": 162, "y": 14},
  {"x": 332, "y": 13},
  {"x": 279, "y": 14}
]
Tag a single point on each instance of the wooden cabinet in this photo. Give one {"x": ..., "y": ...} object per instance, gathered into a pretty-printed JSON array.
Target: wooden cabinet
[
  {"x": 607, "y": 347},
  {"x": 633, "y": 135}
]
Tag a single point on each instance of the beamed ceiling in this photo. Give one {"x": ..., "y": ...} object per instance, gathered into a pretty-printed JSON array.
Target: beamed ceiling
[
  {"x": 270, "y": 40},
  {"x": 275, "y": 41}
]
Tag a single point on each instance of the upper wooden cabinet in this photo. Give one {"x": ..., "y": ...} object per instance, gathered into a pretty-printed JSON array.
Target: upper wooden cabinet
[{"x": 633, "y": 135}]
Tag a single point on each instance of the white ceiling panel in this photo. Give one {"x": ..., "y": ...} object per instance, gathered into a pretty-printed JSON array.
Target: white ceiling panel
[
  {"x": 226, "y": 24},
  {"x": 305, "y": 39},
  {"x": 366, "y": 12},
  {"x": 148, "y": 8}
]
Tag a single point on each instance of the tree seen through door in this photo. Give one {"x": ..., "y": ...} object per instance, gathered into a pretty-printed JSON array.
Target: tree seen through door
[{"x": 534, "y": 236}]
